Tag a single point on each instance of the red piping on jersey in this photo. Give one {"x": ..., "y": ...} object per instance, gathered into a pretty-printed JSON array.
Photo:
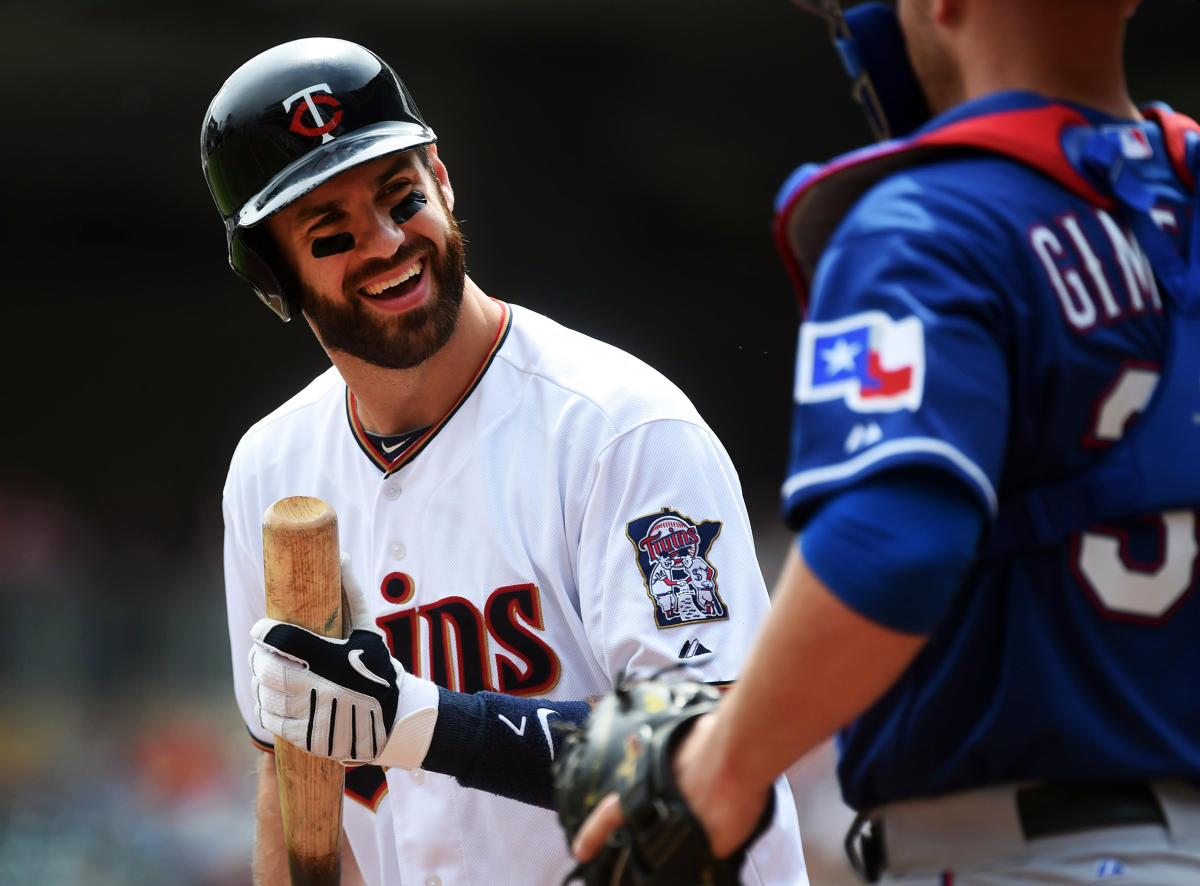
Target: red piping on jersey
[
  {"x": 366, "y": 776},
  {"x": 1032, "y": 137},
  {"x": 413, "y": 449}
]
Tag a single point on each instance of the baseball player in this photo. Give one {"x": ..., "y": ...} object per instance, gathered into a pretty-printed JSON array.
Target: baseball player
[
  {"x": 498, "y": 480},
  {"x": 993, "y": 469}
]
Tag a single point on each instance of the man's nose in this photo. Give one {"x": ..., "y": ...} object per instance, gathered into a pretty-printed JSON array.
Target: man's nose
[{"x": 380, "y": 237}]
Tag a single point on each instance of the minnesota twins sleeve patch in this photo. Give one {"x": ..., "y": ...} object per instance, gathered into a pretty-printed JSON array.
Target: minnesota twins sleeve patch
[
  {"x": 673, "y": 556},
  {"x": 869, "y": 360}
]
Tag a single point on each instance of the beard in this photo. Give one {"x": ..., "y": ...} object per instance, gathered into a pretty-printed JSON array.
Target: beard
[{"x": 405, "y": 340}]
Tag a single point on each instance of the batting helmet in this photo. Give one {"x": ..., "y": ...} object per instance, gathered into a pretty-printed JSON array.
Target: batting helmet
[{"x": 285, "y": 122}]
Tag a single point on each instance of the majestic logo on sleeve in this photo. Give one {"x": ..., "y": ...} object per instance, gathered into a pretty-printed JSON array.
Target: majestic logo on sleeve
[
  {"x": 869, "y": 360},
  {"x": 312, "y": 97},
  {"x": 672, "y": 554}
]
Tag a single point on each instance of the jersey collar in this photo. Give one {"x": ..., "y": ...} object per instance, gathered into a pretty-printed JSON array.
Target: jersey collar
[
  {"x": 1010, "y": 100},
  {"x": 408, "y": 454}
]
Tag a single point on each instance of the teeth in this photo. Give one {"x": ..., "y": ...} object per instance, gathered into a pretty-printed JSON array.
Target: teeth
[{"x": 376, "y": 288}]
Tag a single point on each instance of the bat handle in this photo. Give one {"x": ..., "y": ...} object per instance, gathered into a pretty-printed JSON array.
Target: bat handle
[{"x": 302, "y": 571}]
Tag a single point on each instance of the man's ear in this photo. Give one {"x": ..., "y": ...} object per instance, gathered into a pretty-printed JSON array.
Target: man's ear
[
  {"x": 947, "y": 11},
  {"x": 443, "y": 177}
]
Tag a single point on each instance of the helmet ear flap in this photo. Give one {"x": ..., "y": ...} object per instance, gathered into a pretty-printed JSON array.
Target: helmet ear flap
[{"x": 255, "y": 257}]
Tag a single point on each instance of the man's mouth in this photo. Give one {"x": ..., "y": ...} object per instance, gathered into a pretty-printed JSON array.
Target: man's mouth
[{"x": 395, "y": 286}]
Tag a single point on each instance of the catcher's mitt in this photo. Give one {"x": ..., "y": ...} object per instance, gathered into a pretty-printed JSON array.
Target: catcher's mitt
[{"x": 625, "y": 745}]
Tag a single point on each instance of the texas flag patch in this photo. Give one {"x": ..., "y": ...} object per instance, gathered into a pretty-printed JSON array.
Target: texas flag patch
[{"x": 869, "y": 360}]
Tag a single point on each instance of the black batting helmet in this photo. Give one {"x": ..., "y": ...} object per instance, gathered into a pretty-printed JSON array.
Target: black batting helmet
[{"x": 285, "y": 122}]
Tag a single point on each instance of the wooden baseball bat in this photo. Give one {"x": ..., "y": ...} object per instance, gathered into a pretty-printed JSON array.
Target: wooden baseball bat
[{"x": 302, "y": 569}]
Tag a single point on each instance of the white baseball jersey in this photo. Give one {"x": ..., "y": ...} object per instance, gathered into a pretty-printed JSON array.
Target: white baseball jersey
[{"x": 520, "y": 545}]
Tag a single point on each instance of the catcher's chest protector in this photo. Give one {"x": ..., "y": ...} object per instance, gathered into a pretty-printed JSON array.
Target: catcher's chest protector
[{"x": 1156, "y": 465}]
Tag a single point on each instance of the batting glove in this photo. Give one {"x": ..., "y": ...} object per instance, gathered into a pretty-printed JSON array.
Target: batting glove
[{"x": 346, "y": 699}]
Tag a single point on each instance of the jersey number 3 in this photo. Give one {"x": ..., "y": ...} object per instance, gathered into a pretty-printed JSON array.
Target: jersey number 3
[{"x": 1148, "y": 589}]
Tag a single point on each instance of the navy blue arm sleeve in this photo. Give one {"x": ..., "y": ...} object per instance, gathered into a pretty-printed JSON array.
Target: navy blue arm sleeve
[
  {"x": 500, "y": 743},
  {"x": 897, "y": 546}
]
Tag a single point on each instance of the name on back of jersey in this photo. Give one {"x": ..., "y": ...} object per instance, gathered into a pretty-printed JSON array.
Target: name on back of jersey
[{"x": 1096, "y": 268}]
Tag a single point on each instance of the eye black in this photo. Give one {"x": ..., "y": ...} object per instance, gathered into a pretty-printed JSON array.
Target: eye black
[
  {"x": 323, "y": 247},
  {"x": 413, "y": 203}
]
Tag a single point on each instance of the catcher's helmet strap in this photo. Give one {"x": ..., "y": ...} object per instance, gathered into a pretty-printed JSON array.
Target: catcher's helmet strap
[{"x": 873, "y": 52}]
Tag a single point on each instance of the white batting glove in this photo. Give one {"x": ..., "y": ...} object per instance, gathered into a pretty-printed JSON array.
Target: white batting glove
[{"x": 341, "y": 698}]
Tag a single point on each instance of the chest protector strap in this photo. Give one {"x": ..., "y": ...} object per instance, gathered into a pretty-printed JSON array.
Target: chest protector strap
[{"x": 1156, "y": 464}]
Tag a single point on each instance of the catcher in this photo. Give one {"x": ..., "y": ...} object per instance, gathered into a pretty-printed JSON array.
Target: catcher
[{"x": 993, "y": 469}]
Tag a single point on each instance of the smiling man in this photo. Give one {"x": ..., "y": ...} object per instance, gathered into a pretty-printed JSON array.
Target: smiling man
[
  {"x": 404, "y": 324},
  {"x": 506, "y": 490}
]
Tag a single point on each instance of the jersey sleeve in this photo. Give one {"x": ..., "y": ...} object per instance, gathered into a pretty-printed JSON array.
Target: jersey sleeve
[
  {"x": 245, "y": 600},
  {"x": 901, "y": 361},
  {"x": 668, "y": 574}
]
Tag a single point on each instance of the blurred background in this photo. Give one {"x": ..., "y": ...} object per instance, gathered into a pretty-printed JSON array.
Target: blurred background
[{"x": 614, "y": 165}]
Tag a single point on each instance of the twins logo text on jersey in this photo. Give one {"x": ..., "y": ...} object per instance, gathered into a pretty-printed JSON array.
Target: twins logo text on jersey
[
  {"x": 464, "y": 645},
  {"x": 498, "y": 648},
  {"x": 869, "y": 360},
  {"x": 672, "y": 555}
]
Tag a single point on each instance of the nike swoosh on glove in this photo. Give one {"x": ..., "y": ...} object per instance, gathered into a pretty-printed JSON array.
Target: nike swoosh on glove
[{"x": 333, "y": 697}]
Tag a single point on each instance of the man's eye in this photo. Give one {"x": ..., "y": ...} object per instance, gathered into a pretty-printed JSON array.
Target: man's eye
[{"x": 329, "y": 218}]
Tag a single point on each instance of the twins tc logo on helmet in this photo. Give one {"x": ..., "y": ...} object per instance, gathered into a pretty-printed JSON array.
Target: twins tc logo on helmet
[
  {"x": 869, "y": 360},
  {"x": 317, "y": 94},
  {"x": 672, "y": 554}
]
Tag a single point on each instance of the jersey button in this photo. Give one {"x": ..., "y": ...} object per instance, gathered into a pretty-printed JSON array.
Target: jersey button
[
  {"x": 433, "y": 881},
  {"x": 397, "y": 550},
  {"x": 417, "y": 775},
  {"x": 391, "y": 491}
]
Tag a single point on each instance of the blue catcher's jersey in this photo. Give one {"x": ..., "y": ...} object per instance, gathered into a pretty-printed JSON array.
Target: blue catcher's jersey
[{"x": 975, "y": 314}]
